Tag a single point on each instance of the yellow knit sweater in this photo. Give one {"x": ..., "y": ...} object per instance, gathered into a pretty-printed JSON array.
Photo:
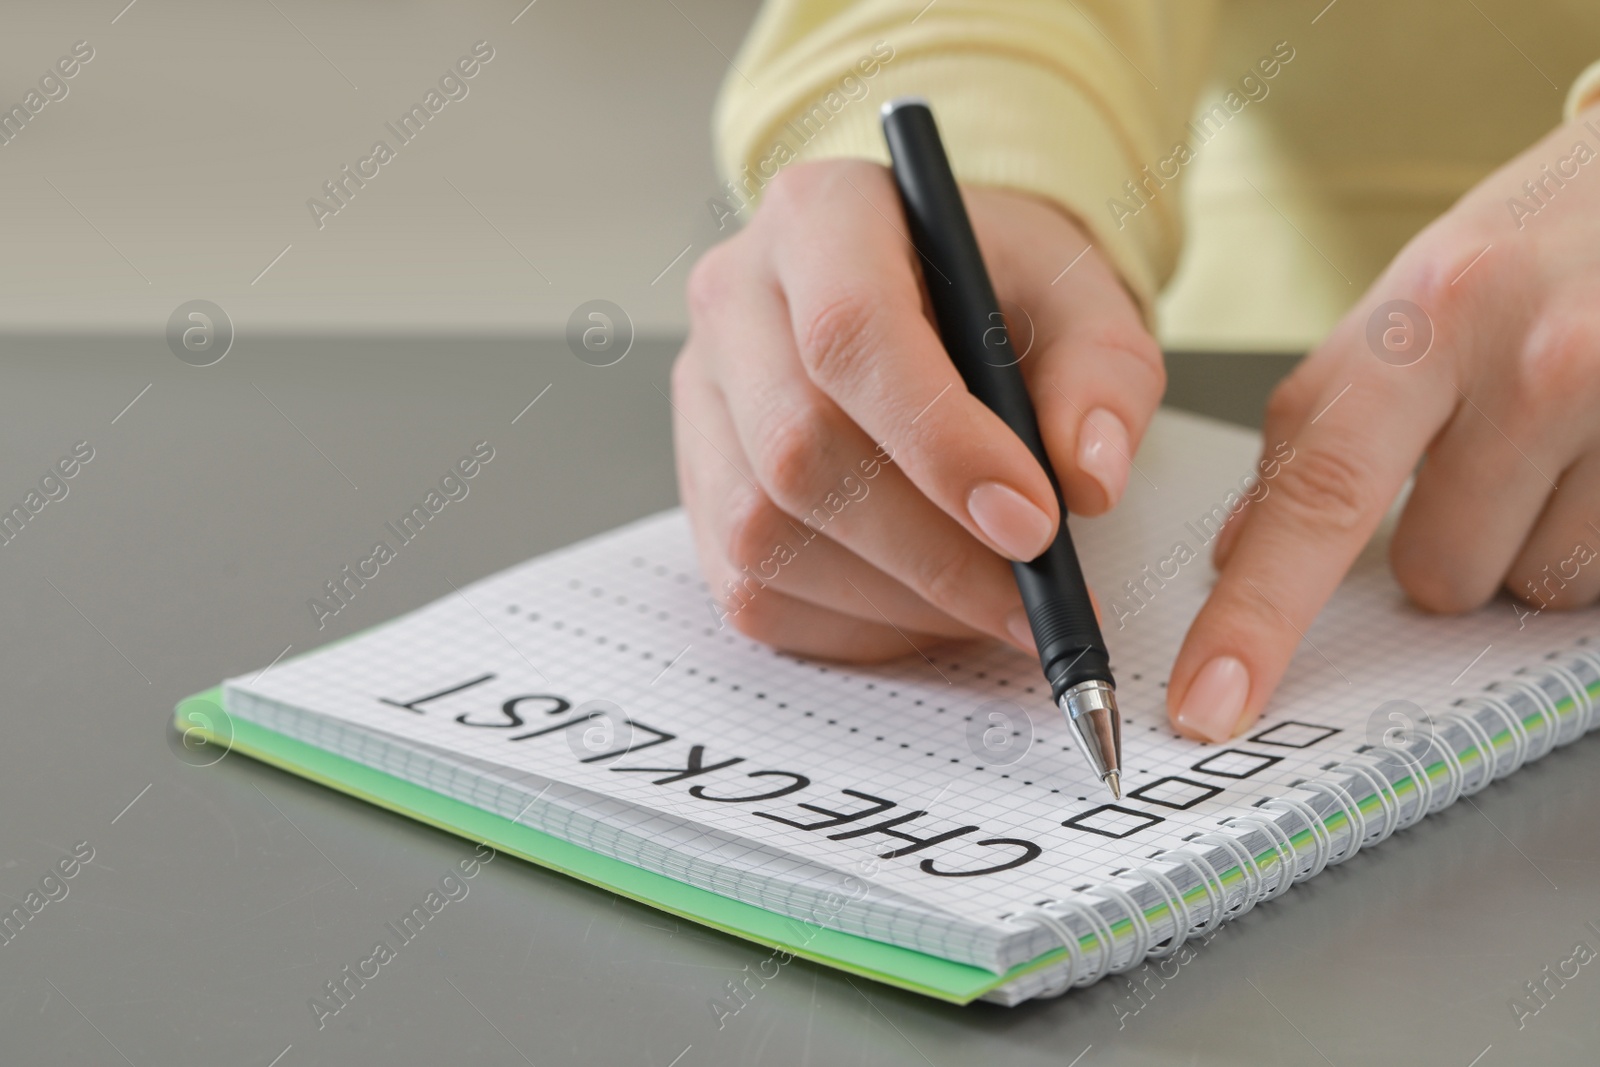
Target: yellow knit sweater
[{"x": 1248, "y": 165}]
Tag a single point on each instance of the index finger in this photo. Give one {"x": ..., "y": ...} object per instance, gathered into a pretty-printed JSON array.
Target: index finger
[
  {"x": 1349, "y": 460},
  {"x": 856, "y": 311}
]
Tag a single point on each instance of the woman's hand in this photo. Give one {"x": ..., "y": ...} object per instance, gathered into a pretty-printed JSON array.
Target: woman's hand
[
  {"x": 849, "y": 497},
  {"x": 1478, "y": 353}
]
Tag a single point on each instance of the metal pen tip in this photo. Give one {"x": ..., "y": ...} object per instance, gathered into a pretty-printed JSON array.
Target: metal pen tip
[{"x": 1091, "y": 711}]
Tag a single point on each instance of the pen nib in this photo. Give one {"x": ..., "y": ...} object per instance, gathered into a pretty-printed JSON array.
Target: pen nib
[{"x": 1091, "y": 711}]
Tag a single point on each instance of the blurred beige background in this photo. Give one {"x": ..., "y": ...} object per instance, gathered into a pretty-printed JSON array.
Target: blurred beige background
[
  {"x": 578, "y": 164},
  {"x": 179, "y": 163}
]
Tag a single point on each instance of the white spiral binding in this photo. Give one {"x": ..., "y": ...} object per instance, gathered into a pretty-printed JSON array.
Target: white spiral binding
[
  {"x": 1355, "y": 818},
  {"x": 1076, "y": 957},
  {"x": 1040, "y": 917},
  {"x": 1103, "y": 938},
  {"x": 1388, "y": 796},
  {"x": 1592, "y": 658},
  {"x": 1488, "y": 755},
  {"x": 1508, "y": 715},
  {"x": 1322, "y": 841},
  {"x": 1455, "y": 774},
  {"x": 1421, "y": 780},
  {"x": 1177, "y": 907},
  {"x": 1218, "y": 900},
  {"x": 1581, "y": 704},
  {"x": 1142, "y": 933},
  {"x": 1076, "y": 970},
  {"x": 1253, "y": 878},
  {"x": 1547, "y": 712},
  {"x": 1288, "y": 858},
  {"x": 1583, "y": 650}
]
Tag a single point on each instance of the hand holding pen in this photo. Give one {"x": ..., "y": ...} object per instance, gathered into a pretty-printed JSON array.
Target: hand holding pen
[{"x": 810, "y": 348}]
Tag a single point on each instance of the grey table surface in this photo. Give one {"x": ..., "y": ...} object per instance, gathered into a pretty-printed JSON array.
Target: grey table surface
[{"x": 219, "y": 899}]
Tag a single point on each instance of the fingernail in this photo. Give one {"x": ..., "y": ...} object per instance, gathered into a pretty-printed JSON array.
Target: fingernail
[
  {"x": 1010, "y": 520},
  {"x": 1021, "y": 630},
  {"x": 1103, "y": 452},
  {"x": 1216, "y": 699}
]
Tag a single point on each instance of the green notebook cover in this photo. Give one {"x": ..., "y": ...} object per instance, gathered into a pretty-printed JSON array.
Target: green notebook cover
[{"x": 201, "y": 717}]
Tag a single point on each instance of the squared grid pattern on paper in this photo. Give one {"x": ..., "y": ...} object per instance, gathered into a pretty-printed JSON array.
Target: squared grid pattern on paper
[{"x": 625, "y": 618}]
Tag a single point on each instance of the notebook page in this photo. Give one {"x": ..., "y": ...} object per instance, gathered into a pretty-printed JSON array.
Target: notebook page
[{"x": 900, "y": 761}]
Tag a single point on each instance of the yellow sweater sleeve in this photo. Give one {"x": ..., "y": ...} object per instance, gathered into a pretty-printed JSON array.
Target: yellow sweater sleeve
[{"x": 1065, "y": 100}]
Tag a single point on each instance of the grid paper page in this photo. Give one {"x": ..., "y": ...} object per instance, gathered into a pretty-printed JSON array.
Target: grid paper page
[{"x": 973, "y": 816}]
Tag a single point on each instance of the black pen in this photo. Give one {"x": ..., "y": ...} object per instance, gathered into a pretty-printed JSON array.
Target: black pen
[{"x": 1071, "y": 648}]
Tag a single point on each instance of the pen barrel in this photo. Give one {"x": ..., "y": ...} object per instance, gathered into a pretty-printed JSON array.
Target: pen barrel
[
  {"x": 973, "y": 329},
  {"x": 1071, "y": 648}
]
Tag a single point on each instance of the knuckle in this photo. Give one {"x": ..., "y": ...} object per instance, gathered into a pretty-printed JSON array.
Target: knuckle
[
  {"x": 796, "y": 187},
  {"x": 1247, "y": 612},
  {"x": 753, "y": 529},
  {"x": 788, "y": 454},
  {"x": 1330, "y": 488},
  {"x": 838, "y": 337},
  {"x": 1289, "y": 401},
  {"x": 946, "y": 579},
  {"x": 1434, "y": 584},
  {"x": 1434, "y": 293},
  {"x": 1560, "y": 358},
  {"x": 710, "y": 283},
  {"x": 1449, "y": 274},
  {"x": 759, "y": 620},
  {"x": 801, "y": 187},
  {"x": 767, "y": 619},
  {"x": 1251, "y": 615},
  {"x": 1130, "y": 342}
]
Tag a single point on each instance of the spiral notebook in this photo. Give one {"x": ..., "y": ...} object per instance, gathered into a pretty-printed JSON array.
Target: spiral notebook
[{"x": 927, "y": 822}]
